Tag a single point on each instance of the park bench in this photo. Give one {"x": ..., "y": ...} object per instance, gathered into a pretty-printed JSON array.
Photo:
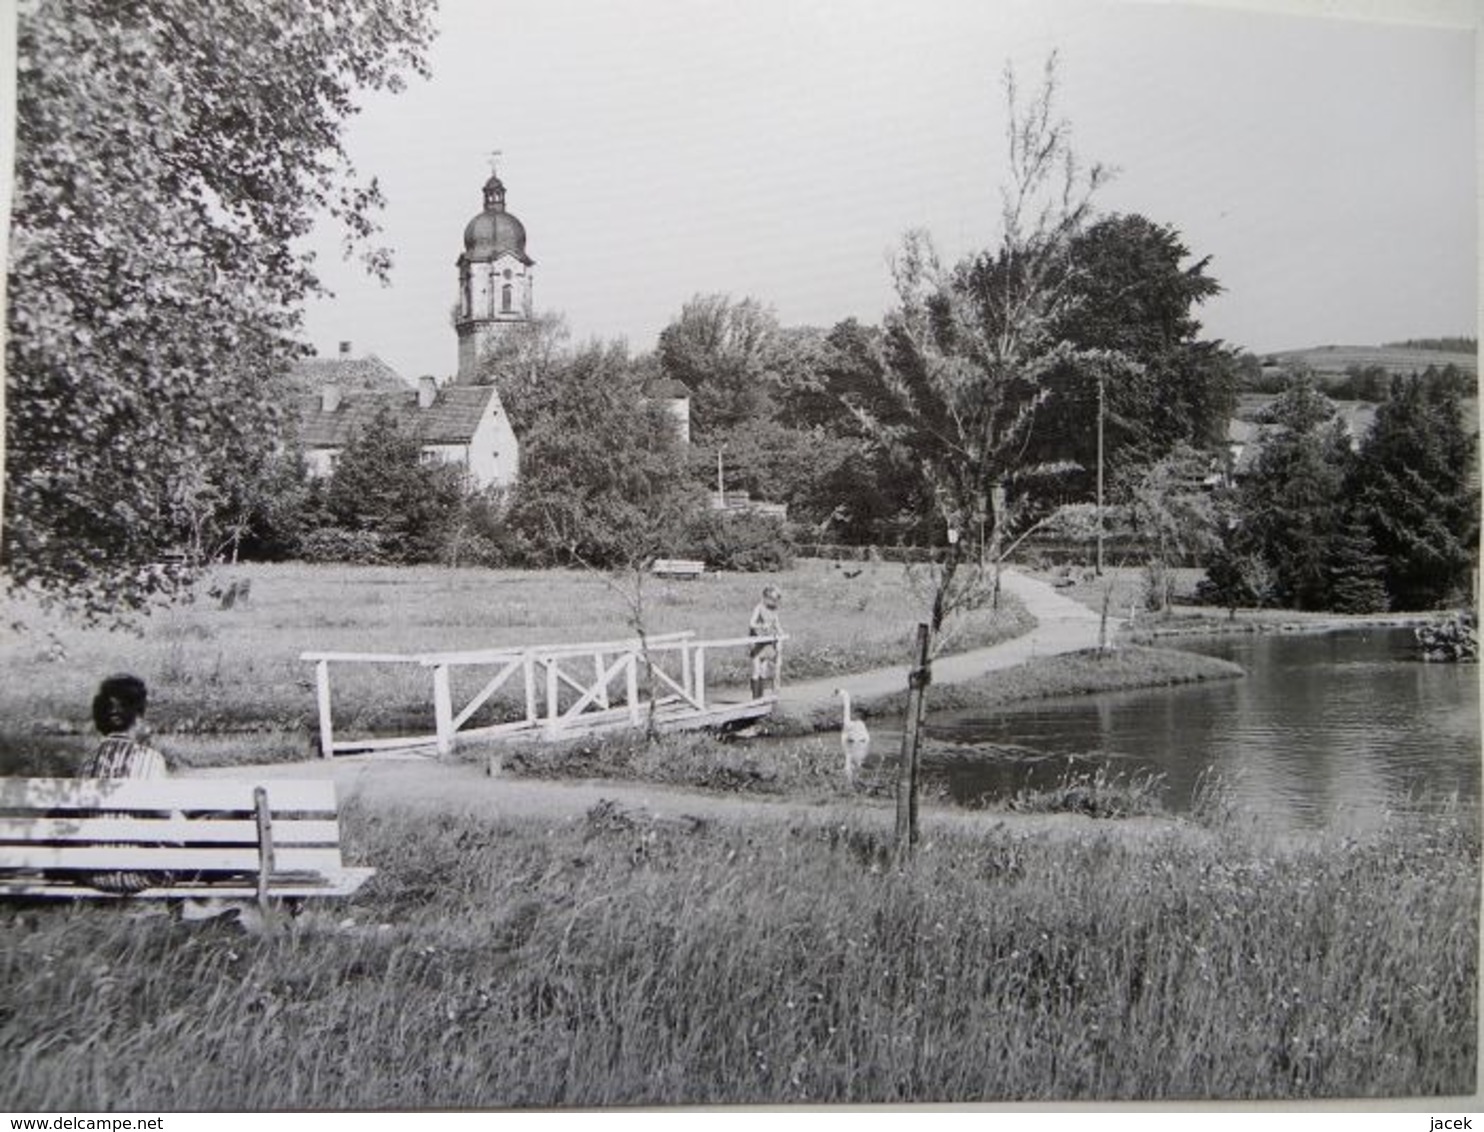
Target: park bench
[
  {"x": 677, "y": 568},
  {"x": 206, "y": 837}
]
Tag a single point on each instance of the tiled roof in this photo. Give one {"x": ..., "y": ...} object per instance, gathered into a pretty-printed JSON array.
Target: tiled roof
[
  {"x": 370, "y": 373},
  {"x": 450, "y": 419},
  {"x": 667, "y": 388}
]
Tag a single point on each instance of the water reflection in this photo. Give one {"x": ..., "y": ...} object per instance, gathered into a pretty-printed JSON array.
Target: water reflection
[{"x": 1325, "y": 730}]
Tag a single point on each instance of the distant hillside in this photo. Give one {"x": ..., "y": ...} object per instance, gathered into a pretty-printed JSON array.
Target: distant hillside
[
  {"x": 1447, "y": 345},
  {"x": 1404, "y": 359}
]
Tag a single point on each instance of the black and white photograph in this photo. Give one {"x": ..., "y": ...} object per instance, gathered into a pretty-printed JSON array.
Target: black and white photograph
[{"x": 784, "y": 553}]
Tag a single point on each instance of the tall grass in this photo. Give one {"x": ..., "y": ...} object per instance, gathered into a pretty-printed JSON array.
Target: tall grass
[
  {"x": 236, "y": 673},
  {"x": 620, "y": 960}
]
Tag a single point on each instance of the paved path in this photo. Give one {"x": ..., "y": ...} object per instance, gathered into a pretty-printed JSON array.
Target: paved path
[{"x": 1062, "y": 625}]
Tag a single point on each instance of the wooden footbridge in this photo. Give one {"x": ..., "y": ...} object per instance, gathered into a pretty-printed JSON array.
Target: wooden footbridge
[{"x": 566, "y": 690}]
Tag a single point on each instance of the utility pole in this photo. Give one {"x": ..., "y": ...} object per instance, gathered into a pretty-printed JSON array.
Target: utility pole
[{"x": 1100, "y": 474}]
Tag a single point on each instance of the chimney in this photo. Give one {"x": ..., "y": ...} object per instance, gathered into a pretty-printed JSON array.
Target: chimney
[
  {"x": 329, "y": 398},
  {"x": 427, "y": 391},
  {"x": 344, "y": 350}
]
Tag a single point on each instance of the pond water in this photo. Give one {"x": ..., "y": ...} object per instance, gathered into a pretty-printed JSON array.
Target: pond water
[{"x": 1326, "y": 730}]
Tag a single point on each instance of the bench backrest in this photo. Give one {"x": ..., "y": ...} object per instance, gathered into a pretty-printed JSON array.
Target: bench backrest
[
  {"x": 60, "y": 828},
  {"x": 678, "y": 566}
]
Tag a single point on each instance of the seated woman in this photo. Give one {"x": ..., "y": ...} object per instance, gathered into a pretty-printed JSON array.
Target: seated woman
[{"x": 124, "y": 752}]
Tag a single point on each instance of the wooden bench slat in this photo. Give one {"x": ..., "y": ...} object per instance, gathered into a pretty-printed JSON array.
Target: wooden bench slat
[
  {"x": 342, "y": 882},
  {"x": 167, "y": 858},
  {"x": 285, "y": 795},
  {"x": 150, "y": 831}
]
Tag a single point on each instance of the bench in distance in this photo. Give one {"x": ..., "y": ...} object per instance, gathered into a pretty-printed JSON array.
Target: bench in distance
[{"x": 677, "y": 568}]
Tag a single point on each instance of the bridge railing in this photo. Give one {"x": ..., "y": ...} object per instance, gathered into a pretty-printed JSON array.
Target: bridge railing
[{"x": 586, "y": 671}]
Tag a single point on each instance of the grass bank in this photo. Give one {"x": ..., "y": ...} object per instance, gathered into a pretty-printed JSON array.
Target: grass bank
[
  {"x": 1069, "y": 674},
  {"x": 228, "y": 685},
  {"x": 1126, "y": 587},
  {"x": 618, "y": 960}
]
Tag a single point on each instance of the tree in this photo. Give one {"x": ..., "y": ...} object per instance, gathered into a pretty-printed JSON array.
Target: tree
[
  {"x": 1136, "y": 295},
  {"x": 1292, "y": 504},
  {"x": 518, "y": 361},
  {"x": 728, "y": 354},
  {"x": 603, "y": 480},
  {"x": 381, "y": 488},
  {"x": 1413, "y": 490},
  {"x": 171, "y": 156},
  {"x": 1171, "y": 515},
  {"x": 965, "y": 362},
  {"x": 1357, "y": 574}
]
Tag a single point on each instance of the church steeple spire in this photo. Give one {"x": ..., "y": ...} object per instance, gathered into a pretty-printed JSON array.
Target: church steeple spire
[
  {"x": 494, "y": 278},
  {"x": 494, "y": 194},
  {"x": 494, "y": 188}
]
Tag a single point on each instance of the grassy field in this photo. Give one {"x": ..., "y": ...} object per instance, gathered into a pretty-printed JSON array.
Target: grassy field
[
  {"x": 619, "y": 960},
  {"x": 1397, "y": 359},
  {"x": 227, "y": 684}
]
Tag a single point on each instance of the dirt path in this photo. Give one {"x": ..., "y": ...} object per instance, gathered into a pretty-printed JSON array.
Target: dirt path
[
  {"x": 1062, "y": 625},
  {"x": 451, "y": 788}
]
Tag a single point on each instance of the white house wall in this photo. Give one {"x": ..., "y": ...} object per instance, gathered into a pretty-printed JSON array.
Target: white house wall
[
  {"x": 494, "y": 453},
  {"x": 320, "y": 462}
]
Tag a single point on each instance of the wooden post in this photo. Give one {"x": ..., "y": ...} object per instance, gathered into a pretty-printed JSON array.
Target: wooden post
[
  {"x": 326, "y": 729},
  {"x": 533, "y": 711},
  {"x": 917, "y": 682},
  {"x": 443, "y": 709},
  {"x": 265, "y": 844},
  {"x": 631, "y": 687},
  {"x": 685, "y": 670},
  {"x": 553, "y": 710},
  {"x": 700, "y": 676},
  {"x": 602, "y": 697}
]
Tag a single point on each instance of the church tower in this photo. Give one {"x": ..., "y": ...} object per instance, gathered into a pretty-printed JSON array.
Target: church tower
[{"x": 494, "y": 280}]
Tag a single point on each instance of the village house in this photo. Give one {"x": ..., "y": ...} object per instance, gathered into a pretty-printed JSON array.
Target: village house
[{"x": 463, "y": 425}]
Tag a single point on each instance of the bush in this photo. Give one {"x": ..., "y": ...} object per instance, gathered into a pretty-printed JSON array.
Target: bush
[
  {"x": 337, "y": 544},
  {"x": 743, "y": 542}
]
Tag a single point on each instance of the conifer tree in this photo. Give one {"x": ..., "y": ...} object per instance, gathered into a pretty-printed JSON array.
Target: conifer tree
[
  {"x": 1413, "y": 486},
  {"x": 1357, "y": 574}
]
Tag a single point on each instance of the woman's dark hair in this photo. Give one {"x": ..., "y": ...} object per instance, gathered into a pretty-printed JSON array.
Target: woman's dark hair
[{"x": 119, "y": 703}]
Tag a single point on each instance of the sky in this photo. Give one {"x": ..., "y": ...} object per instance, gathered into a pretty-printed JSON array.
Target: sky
[{"x": 780, "y": 149}]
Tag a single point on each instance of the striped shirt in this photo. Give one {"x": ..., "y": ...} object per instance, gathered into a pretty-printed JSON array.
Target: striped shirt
[{"x": 119, "y": 756}]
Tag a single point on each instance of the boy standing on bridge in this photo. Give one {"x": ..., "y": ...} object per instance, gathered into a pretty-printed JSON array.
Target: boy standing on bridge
[{"x": 765, "y": 623}]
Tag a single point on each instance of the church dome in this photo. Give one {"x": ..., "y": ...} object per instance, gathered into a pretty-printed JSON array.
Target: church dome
[{"x": 495, "y": 232}]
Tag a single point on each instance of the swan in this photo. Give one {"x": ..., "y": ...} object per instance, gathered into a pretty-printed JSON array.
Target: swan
[{"x": 855, "y": 740}]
